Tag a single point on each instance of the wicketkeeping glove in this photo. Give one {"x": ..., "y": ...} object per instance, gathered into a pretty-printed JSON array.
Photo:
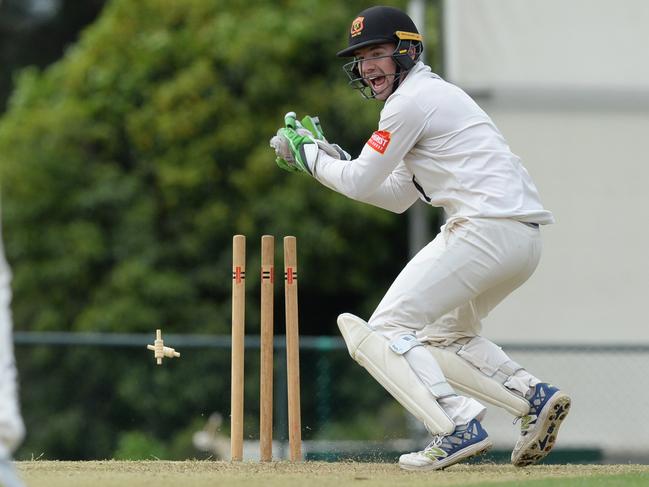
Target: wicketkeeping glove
[
  {"x": 295, "y": 147},
  {"x": 297, "y": 144},
  {"x": 312, "y": 124}
]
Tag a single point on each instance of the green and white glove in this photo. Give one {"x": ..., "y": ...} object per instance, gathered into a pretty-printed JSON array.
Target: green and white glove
[
  {"x": 312, "y": 124},
  {"x": 296, "y": 145},
  {"x": 307, "y": 126}
]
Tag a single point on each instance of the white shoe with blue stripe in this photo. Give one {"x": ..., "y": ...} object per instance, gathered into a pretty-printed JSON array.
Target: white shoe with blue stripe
[
  {"x": 548, "y": 408},
  {"x": 465, "y": 442}
]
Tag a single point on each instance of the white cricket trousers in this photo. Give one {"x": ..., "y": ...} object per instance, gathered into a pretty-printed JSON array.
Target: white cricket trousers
[
  {"x": 12, "y": 428},
  {"x": 447, "y": 288}
]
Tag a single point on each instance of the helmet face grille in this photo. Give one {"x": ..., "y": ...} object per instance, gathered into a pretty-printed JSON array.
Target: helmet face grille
[
  {"x": 361, "y": 83},
  {"x": 402, "y": 58}
]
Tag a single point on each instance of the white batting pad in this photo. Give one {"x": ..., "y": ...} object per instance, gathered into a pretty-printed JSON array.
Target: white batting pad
[
  {"x": 468, "y": 379},
  {"x": 392, "y": 371}
]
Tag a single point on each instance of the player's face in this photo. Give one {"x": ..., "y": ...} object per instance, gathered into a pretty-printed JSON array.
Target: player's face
[{"x": 376, "y": 65}]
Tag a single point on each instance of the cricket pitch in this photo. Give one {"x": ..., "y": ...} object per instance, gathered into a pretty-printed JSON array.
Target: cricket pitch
[{"x": 315, "y": 474}]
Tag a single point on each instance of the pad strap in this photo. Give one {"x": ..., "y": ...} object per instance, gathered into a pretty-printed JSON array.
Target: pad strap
[
  {"x": 500, "y": 372},
  {"x": 404, "y": 343},
  {"x": 481, "y": 369},
  {"x": 442, "y": 389}
]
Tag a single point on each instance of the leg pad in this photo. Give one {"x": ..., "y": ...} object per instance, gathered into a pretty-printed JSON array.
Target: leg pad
[{"x": 372, "y": 350}]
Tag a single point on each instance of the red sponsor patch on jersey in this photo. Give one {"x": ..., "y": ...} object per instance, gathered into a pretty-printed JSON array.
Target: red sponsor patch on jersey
[{"x": 379, "y": 141}]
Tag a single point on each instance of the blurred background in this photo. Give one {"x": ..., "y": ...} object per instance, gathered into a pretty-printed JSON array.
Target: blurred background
[{"x": 134, "y": 144}]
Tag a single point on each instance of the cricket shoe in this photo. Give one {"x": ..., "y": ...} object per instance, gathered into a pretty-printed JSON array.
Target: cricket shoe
[
  {"x": 465, "y": 442},
  {"x": 548, "y": 408}
]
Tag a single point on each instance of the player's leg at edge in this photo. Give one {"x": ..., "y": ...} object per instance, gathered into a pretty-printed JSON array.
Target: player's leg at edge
[
  {"x": 387, "y": 363},
  {"x": 8, "y": 475},
  {"x": 12, "y": 428}
]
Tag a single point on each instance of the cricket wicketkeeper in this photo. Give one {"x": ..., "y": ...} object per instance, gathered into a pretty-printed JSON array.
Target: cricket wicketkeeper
[{"x": 424, "y": 341}]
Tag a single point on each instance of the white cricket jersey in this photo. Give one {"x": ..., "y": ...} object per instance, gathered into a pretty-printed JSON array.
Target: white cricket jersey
[{"x": 434, "y": 142}]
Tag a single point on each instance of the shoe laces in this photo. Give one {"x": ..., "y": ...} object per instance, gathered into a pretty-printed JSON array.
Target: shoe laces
[
  {"x": 445, "y": 442},
  {"x": 435, "y": 442},
  {"x": 527, "y": 422}
]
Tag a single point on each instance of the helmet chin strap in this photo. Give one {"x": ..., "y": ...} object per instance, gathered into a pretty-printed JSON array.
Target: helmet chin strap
[{"x": 397, "y": 79}]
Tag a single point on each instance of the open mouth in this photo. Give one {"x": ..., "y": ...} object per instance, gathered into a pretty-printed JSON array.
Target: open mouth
[{"x": 378, "y": 83}]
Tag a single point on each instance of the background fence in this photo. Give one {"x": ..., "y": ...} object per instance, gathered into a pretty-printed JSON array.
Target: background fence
[{"x": 93, "y": 395}]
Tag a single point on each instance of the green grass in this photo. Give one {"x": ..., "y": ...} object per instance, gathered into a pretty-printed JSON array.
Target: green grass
[
  {"x": 320, "y": 474},
  {"x": 626, "y": 480}
]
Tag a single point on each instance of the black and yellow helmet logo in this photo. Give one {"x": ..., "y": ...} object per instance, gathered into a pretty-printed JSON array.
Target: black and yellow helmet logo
[{"x": 357, "y": 26}]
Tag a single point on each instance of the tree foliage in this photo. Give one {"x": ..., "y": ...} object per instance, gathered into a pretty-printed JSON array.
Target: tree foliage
[
  {"x": 128, "y": 166},
  {"x": 36, "y": 33}
]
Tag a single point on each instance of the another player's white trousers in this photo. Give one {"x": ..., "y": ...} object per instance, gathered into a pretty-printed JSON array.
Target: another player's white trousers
[
  {"x": 11, "y": 425},
  {"x": 450, "y": 285}
]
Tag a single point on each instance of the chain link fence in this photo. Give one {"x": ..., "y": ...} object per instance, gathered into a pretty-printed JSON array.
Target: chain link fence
[{"x": 91, "y": 396}]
